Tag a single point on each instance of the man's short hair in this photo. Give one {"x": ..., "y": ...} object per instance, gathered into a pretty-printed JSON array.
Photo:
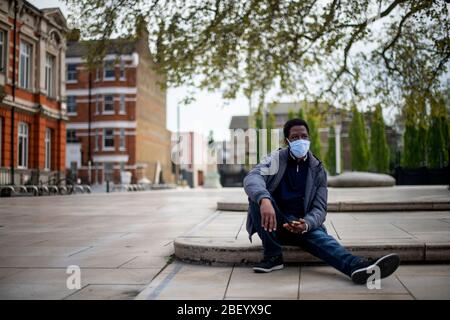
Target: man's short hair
[{"x": 294, "y": 122}]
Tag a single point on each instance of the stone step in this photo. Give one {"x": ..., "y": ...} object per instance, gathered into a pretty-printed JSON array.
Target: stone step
[
  {"x": 354, "y": 206},
  {"x": 231, "y": 251}
]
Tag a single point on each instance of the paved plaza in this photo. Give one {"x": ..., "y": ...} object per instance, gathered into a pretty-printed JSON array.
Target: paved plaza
[{"x": 124, "y": 245}]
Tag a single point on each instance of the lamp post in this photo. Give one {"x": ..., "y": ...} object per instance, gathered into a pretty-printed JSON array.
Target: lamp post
[
  {"x": 177, "y": 165},
  {"x": 337, "y": 130}
]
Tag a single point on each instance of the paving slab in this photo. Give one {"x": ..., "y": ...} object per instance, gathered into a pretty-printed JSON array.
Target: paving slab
[
  {"x": 244, "y": 283},
  {"x": 187, "y": 282},
  {"x": 106, "y": 292}
]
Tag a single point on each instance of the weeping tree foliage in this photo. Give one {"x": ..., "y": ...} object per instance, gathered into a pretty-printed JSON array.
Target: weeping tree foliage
[
  {"x": 330, "y": 159},
  {"x": 437, "y": 138},
  {"x": 270, "y": 126},
  {"x": 379, "y": 151},
  {"x": 300, "y": 114},
  {"x": 415, "y": 135},
  {"x": 291, "y": 114},
  {"x": 358, "y": 142},
  {"x": 314, "y": 136},
  {"x": 307, "y": 46}
]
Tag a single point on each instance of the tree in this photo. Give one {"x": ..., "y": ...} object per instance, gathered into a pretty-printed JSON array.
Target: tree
[
  {"x": 358, "y": 142},
  {"x": 379, "y": 150},
  {"x": 437, "y": 138},
  {"x": 415, "y": 136},
  {"x": 330, "y": 159},
  {"x": 270, "y": 126},
  {"x": 291, "y": 114},
  {"x": 252, "y": 46},
  {"x": 300, "y": 114},
  {"x": 314, "y": 136}
]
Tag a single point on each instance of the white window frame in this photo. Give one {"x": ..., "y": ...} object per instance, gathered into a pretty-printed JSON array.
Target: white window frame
[
  {"x": 25, "y": 75},
  {"x": 122, "y": 74},
  {"x": 122, "y": 105},
  {"x": 72, "y": 113},
  {"x": 106, "y": 64},
  {"x": 96, "y": 144},
  {"x": 122, "y": 139},
  {"x": 3, "y": 50},
  {"x": 104, "y": 104},
  {"x": 22, "y": 162},
  {"x": 105, "y": 137},
  {"x": 97, "y": 104},
  {"x": 50, "y": 74},
  {"x": 73, "y": 73},
  {"x": 48, "y": 149}
]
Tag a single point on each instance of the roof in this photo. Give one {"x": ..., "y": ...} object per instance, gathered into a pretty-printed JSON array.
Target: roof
[
  {"x": 285, "y": 107},
  {"x": 114, "y": 46},
  {"x": 239, "y": 122}
]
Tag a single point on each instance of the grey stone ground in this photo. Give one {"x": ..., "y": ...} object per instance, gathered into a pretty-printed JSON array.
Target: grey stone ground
[{"x": 122, "y": 242}]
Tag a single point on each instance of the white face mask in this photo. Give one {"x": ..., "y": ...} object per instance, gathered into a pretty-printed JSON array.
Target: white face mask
[{"x": 299, "y": 148}]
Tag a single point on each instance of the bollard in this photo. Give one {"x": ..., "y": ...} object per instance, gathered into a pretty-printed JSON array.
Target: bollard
[{"x": 107, "y": 186}]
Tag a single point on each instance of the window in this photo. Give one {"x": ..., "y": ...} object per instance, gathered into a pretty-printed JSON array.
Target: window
[
  {"x": 109, "y": 170},
  {"x": 50, "y": 75},
  {"x": 122, "y": 70},
  {"x": 72, "y": 72},
  {"x": 71, "y": 135},
  {"x": 97, "y": 74},
  {"x": 48, "y": 148},
  {"x": 23, "y": 145},
  {"x": 97, "y": 133},
  {"x": 97, "y": 104},
  {"x": 108, "y": 70},
  {"x": 108, "y": 139},
  {"x": 71, "y": 105},
  {"x": 25, "y": 65},
  {"x": 122, "y": 109},
  {"x": 122, "y": 139},
  {"x": 3, "y": 50},
  {"x": 108, "y": 106}
]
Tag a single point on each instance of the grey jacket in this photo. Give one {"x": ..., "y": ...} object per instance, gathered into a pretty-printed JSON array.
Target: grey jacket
[{"x": 263, "y": 179}]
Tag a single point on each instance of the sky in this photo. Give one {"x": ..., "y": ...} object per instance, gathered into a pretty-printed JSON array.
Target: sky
[{"x": 208, "y": 112}]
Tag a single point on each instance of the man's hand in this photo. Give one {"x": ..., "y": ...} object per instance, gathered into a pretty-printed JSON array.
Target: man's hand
[
  {"x": 268, "y": 217},
  {"x": 296, "y": 226}
]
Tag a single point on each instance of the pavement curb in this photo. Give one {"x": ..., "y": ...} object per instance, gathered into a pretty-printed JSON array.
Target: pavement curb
[
  {"x": 358, "y": 206},
  {"x": 229, "y": 251}
]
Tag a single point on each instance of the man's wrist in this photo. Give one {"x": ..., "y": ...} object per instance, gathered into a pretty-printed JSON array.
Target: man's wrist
[{"x": 306, "y": 228}]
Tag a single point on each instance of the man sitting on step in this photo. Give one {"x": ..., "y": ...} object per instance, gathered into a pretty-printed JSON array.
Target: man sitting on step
[{"x": 287, "y": 195}]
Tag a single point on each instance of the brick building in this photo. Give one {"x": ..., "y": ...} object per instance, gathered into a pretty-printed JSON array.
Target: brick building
[
  {"x": 32, "y": 112},
  {"x": 117, "y": 120}
]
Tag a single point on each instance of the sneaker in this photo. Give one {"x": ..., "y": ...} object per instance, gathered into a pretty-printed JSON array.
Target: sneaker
[
  {"x": 387, "y": 264},
  {"x": 269, "y": 264}
]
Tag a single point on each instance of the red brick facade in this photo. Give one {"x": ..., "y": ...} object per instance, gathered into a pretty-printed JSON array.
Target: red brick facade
[
  {"x": 33, "y": 104},
  {"x": 123, "y": 115}
]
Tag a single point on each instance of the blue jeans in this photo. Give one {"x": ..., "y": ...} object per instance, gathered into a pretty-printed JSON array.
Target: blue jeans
[{"x": 317, "y": 242}]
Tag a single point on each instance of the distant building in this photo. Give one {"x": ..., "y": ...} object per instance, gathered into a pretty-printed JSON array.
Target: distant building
[
  {"x": 126, "y": 127},
  {"x": 194, "y": 157},
  {"x": 32, "y": 111}
]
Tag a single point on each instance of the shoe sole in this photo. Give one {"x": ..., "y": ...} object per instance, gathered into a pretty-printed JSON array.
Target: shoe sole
[
  {"x": 387, "y": 264},
  {"x": 263, "y": 270}
]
